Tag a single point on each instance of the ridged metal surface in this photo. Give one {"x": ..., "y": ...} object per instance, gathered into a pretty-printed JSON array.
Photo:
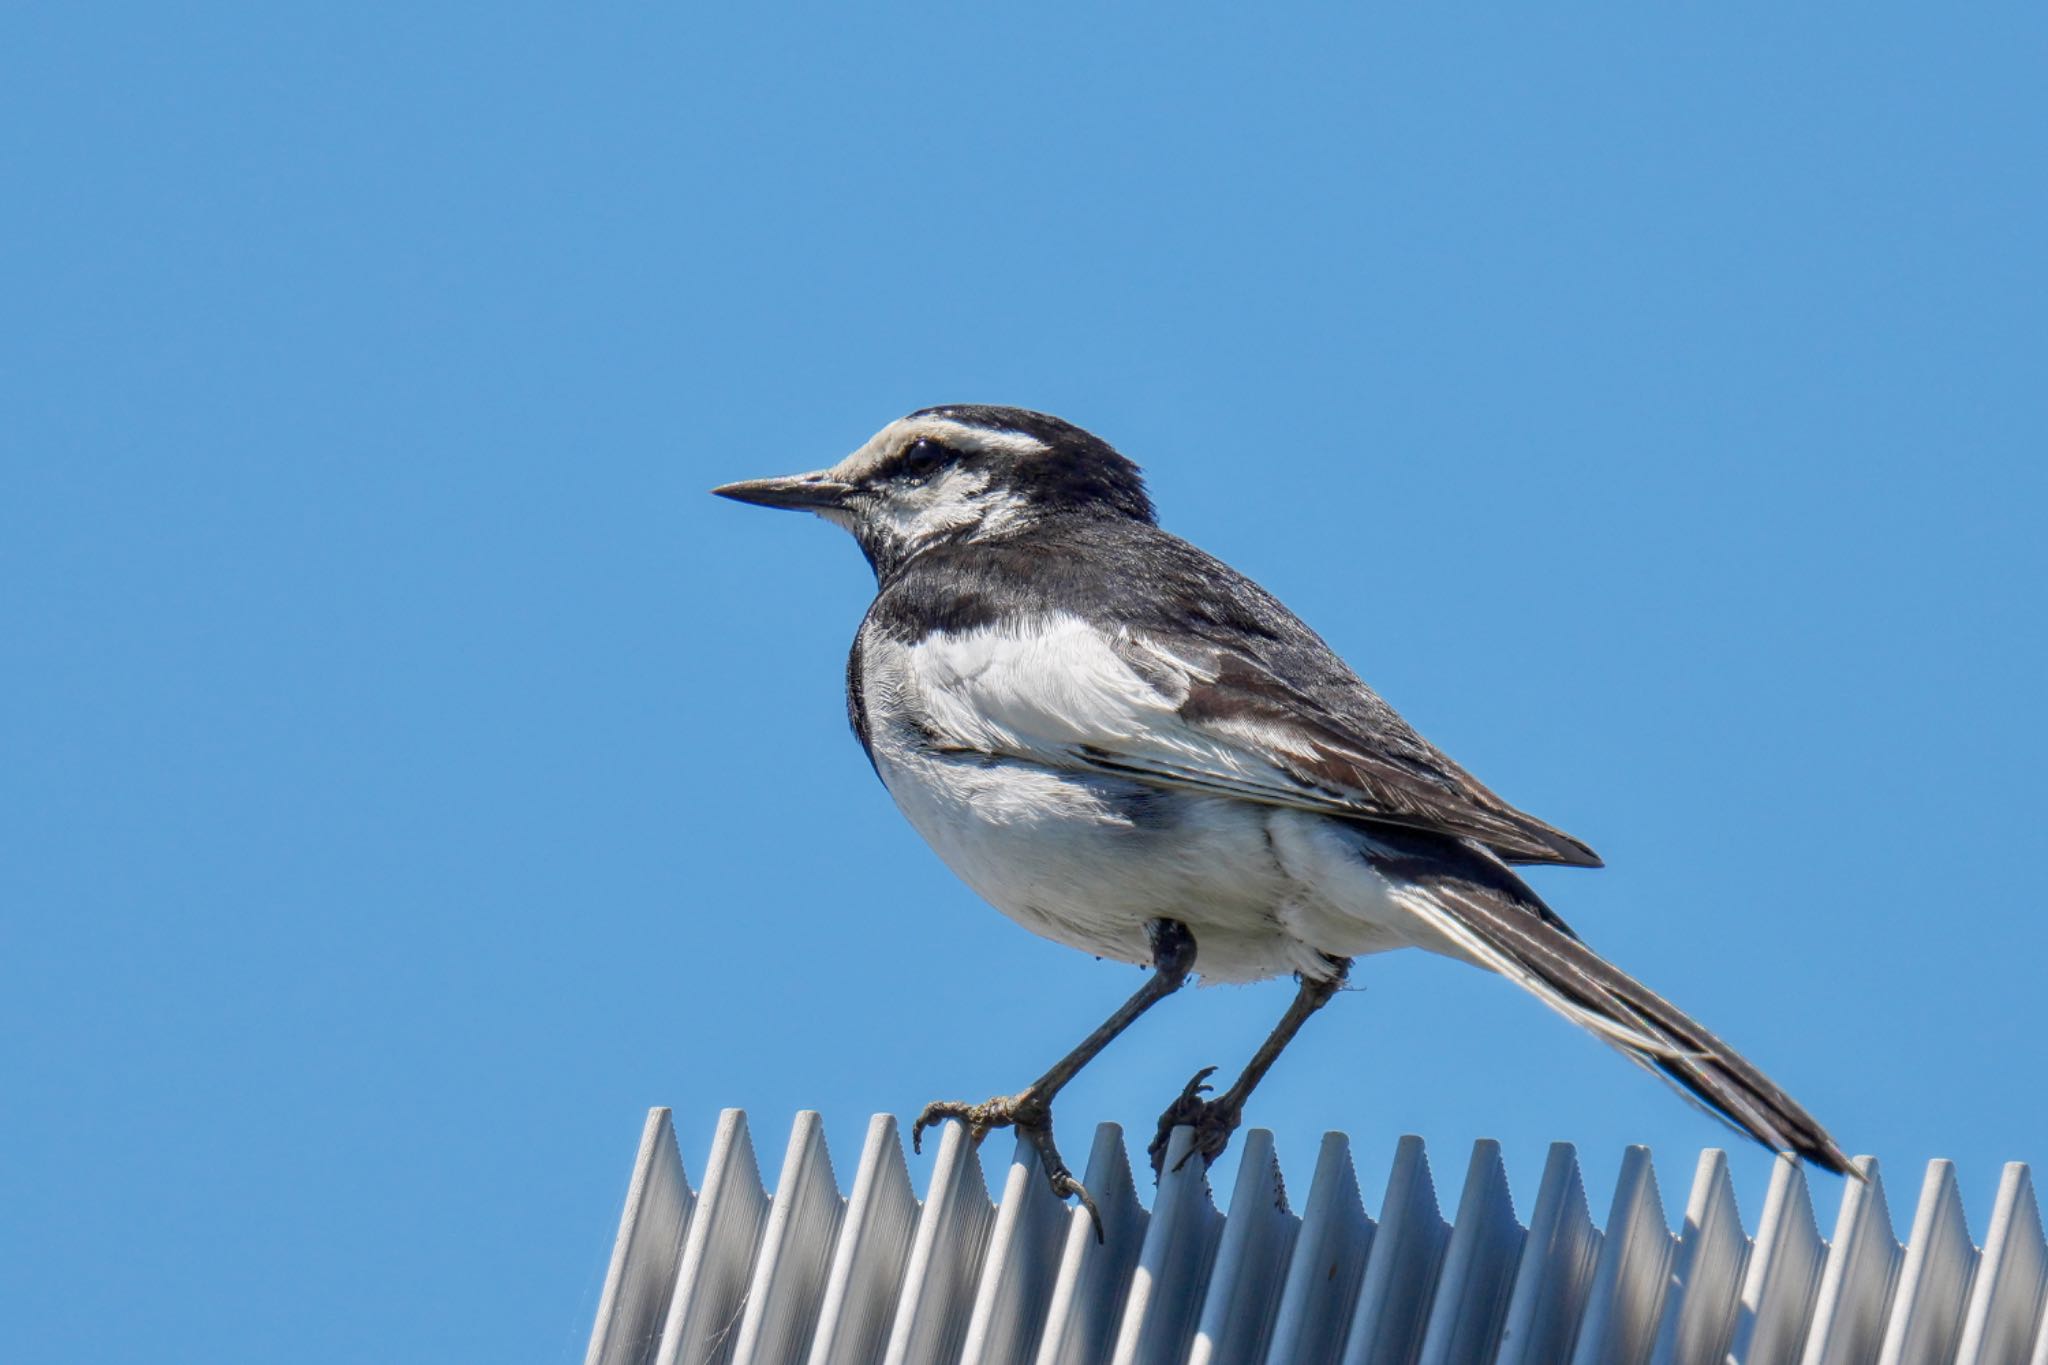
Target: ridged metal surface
[{"x": 725, "y": 1274}]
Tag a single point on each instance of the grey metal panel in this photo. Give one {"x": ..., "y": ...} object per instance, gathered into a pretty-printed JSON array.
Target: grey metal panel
[
  {"x": 1165, "y": 1299},
  {"x": 737, "y": 1278},
  {"x": 1783, "y": 1275},
  {"x": 645, "y": 1255},
  {"x": 1094, "y": 1276},
  {"x": 1328, "y": 1264},
  {"x": 1472, "y": 1289},
  {"x": 2006, "y": 1302},
  {"x": 1556, "y": 1269},
  {"x": 1016, "y": 1278},
  {"x": 1400, "y": 1271},
  {"x": 1251, "y": 1261},
  {"x": 796, "y": 1245},
  {"x": 868, "y": 1260},
  {"x": 945, "y": 1258},
  {"x": 718, "y": 1252},
  {"x": 1706, "y": 1273},
  {"x": 1630, "y": 1277},
  {"x": 1927, "y": 1308},
  {"x": 1856, "y": 1281}
]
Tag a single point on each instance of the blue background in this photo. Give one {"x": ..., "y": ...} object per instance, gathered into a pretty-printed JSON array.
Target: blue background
[{"x": 410, "y": 775}]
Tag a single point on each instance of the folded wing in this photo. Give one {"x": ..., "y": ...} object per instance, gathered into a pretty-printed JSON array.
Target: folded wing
[{"x": 1186, "y": 713}]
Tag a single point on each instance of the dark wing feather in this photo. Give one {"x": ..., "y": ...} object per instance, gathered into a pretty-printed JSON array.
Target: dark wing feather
[
  {"x": 1247, "y": 700},
  {"x": 1368, "y": 763}
]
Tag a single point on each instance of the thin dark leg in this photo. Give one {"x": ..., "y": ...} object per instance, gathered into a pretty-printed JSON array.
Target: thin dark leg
[
  {"x": 1029, "y": 1111},
  {"x": 1215, "y": 1120}
]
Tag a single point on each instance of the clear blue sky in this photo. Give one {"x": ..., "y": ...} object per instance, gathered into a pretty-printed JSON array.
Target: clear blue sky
[{"x": 408, "y": 775}]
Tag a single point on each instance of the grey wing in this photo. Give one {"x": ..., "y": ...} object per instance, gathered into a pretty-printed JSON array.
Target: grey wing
[
  {"x": 1183, "y": 712},
  {"x": 1334, "y": 745}
]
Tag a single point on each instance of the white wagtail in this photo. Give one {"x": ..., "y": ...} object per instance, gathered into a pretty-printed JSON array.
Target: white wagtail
[{"x": 1134, "y": 750}]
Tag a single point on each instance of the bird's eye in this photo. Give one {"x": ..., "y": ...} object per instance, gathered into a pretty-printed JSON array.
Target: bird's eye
[{"x": 923, "y": 458}]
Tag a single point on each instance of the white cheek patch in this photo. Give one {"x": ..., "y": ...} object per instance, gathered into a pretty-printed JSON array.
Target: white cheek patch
[
  {"x": 1000, "y": 511},
  {"x": 955, "y": 500},
  {"x": 946, "y": 503}
]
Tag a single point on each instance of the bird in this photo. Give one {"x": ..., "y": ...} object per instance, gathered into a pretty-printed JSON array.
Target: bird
[{"x": 1130, "y": 748}]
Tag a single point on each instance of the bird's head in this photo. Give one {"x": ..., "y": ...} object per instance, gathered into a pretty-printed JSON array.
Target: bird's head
[{"x": 958, "y": 473}]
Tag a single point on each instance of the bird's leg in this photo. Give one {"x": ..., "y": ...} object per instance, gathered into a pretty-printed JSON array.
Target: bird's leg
[
  {"x": 1215, "y": 1120},
  {"x": 1029, "y": 1111}
]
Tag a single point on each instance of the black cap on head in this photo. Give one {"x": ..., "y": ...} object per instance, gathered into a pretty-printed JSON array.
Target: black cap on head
[{"x": 1077, "y": 470}]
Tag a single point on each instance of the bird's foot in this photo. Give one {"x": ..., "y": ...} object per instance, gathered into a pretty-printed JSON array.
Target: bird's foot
[
  {"x": 1213, "y": 1121},
  {"x": 1031, "y": 1116}
]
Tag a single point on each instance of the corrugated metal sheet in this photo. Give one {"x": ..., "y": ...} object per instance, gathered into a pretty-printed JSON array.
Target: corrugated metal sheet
[{"x": 725, "y": 1274}]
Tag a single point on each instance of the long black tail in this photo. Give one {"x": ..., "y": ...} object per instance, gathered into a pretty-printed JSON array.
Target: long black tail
[{"x": 1487, "y": 914}]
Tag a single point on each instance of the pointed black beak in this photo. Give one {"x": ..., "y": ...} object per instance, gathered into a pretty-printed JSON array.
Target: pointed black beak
[{"x": 803, "y": 492}]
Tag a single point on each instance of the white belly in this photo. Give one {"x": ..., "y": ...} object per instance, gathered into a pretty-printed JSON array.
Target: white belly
[{"x": 1086, "y": 861}]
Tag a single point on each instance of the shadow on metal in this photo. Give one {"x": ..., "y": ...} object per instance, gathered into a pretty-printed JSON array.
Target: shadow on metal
[{"x": 725, "y": 1274}]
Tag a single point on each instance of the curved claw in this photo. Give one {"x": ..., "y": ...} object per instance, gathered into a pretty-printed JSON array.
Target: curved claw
[
  {"x": 1190, "y": 1108},
  {"x": 1058, "y": 1177},
  {"x": 1031, "y": 1116},
  {"x": 1022, "y": 1111},
  {"x": 937, "y": 1112},
  {"x": 1064, "y": 1185}
]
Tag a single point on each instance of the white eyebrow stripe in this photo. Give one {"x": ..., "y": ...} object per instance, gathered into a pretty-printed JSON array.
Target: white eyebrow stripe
[
  {"x": 887, "y": 442},
  {"x": 977, "y": 438}
]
